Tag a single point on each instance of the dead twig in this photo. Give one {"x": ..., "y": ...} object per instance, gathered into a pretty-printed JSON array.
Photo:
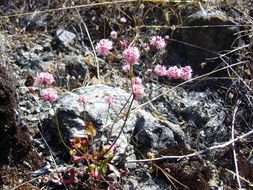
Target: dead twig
[
  {"x": 223, "y": 145},
  {"x": 233, "y": 144}
]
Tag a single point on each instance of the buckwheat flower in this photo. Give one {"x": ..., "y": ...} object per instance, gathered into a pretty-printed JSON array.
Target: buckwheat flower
[
  {"x": 31, "y": 89},
  {"x": 49, "y": 94},
  {"x": 126, "y": 68},
  {"x": 174, "y": 72},
  {"x": 123, "y": 43},
  {"x": 186, "y": 73},
  {"x": 110, "y": 99},
  {"x": 137, "y": 90},
  {"x": 45, "y": 78},
  {"x": 123, "y": 20},
  {"x": 82, "y": 99},
  {"x": 104, "y": 46},
  {"x": 137, "y": 80},
  {"x": 158, "y": 42},
  {"x": 131, "y": 55},
  {"x": 146, "y": 47},
  {"x": 160, "y": 70},
  {"x": 114, "y": 34}
]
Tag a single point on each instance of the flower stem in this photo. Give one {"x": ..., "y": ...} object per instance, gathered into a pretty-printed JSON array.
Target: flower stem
[{"x": 58, "y": 128}]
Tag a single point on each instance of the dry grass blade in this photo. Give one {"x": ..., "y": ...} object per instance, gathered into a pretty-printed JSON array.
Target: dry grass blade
[
  {"x": 170, "y": 177},
  {"x": 90, "y": 5},
  {"x": 242, "y": 178}
]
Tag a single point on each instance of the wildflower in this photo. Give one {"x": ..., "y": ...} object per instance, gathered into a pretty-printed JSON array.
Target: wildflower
[
  {"x": 114, "y": 34},
  {"x": 49, "y": 94},
  {"x": 174, "y": 72},
  {"x": 146, "y": 47},
  {"x": 126, "y": 68},
  {"x": 109, "y": 99},
  {"x": 123, "y": 43},
  {"x": 82, "y": 99},
  {"x": 104, "y": 46},
  {"x": 131, "y": 55},
  {"x": 137, "y": 80},
  {"x": 45, "y": 78},
  {"x": 158, "y": 42},
  {"x": 160, "y": 70},
  {"x": 31, "y": 89},
  {"x": 137, "y": 90},
  {"x": 186, "y": 73},
  {"x": 123, "y": 20}
]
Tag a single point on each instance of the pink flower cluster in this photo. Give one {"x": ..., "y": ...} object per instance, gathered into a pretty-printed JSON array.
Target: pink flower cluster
[
  {"x": 123, "y": 43},
  {"x": 137, "y": 80},
  {"x": 160, "y": 70},
  {"x": 126, "y": 68},
  {"x": 174, "y": 72},
  {"x": 110, "y": 99},
  {"x": 158, "y": 42},
  {"x": 186, "y": 73},
  {"x": 137, "y": 90},
  {"x": 104, "y": 46},
  {"x": 131, "y": 55},
  {"x": 31, "y": 89},
  {"x": 82, "y": 99},
  {"x": 45, "y": 78},
  {"x": 114, "y": 34},
  {"x": 49, "y": 94},
  {"x": 137, "y": 87}
]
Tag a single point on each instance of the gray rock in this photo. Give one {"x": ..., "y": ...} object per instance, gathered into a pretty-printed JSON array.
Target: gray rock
[
  {"x": 72, "y": 116},
  {"x": 153, "y": 135},
  {"x": 142, "y": 179},
  {"x": 65, "y": 37},
  {"x": 214, "y": 38},
  {"x": 201, "y": 111},
  {"x": 201, "y": 42},
  {"x": 76, "y": 67}
]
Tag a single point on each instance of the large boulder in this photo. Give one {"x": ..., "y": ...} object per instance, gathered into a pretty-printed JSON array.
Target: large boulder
[
  {"x": 205, "y": 34},
  {"x": 14, "y": 142},
  {"x": 202, "y": 114},
  {"x": 140, "y": 125}
]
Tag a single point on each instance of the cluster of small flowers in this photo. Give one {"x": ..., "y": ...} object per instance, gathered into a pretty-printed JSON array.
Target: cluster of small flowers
[
  {"x": 123, "y": 43},
  {"x": 137, "y": 88},
  {"x": 45, "y": 78},
  {"x": 49, "y": 94},
  {"x": 126, "y": 68},
  {"x": 110, "y": 99},
  {"x": 82, "y": 99},
  {"x": 131, "y": 55},
  {"x": 174, "y": 72},
  {"x": 158, "y": 42},
  {"x": 104, "y": 46},
  {"x": 114, "y": 34}
]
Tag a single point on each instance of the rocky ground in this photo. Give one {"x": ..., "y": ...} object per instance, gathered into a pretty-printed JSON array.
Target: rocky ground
[{"x": 202, "y": 125}]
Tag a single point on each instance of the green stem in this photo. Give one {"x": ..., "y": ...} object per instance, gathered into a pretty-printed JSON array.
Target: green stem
[
  {"x": 118, "y": 115},
  {"x": 124, "y": 124},
  {"x": 109, "y": 106},
  {"x": 58, "y": 128}
]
